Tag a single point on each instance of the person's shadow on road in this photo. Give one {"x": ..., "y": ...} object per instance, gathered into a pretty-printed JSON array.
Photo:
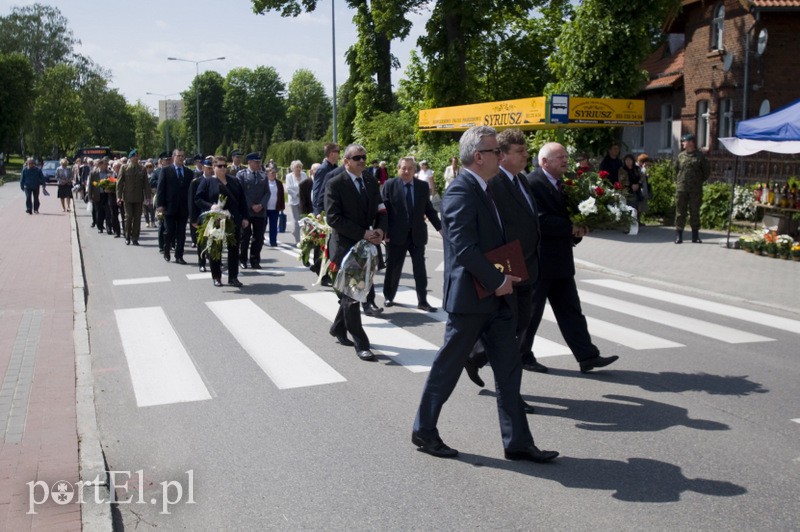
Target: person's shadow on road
[{"x": 635, "y": 480}]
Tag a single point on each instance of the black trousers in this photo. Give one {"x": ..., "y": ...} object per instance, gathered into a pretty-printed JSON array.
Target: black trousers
[
  {"x": 348, "y": 320},
  {"x": 175, "y": 234},
  {"x": 461, "y": 332},
  {"x": 99, "y": 214},
  {"x": 523, "y": 312},
  {"x": 563, "y": 296},
  {"x": 31, "y": 199},
  {"x": 253, "y": 240},
  {"x": 112, "y": 216},
  {"x": 233, "y": 262},
  {"x": 394, "y": 268}
]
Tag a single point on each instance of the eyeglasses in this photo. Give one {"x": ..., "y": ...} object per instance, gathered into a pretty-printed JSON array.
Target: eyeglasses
[
  {"x": 221, "y": 165},
  {"x": 357, "y": 158},
  {"x": 496, "y": 151}
]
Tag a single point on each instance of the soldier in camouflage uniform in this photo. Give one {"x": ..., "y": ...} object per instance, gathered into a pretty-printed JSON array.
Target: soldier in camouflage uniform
[{"x": 691, "y": 171}]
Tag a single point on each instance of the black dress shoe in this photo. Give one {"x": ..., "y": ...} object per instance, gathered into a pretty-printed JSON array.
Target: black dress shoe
[
  {"x": 371, "y": 309},
  {"x": 235, "y": 282},
  {"x": 529, "y": 409},
  {"x": 472, "y": 373},
  {"x": 388, "y": 303},
  {"x": 365, "y": 354},
  {"x": 127, "y": 241},
  {"x": 344, "y": 340},
  {"x": 255, "y": 265},
  {"x": 434, "y": 446},
  {"x": 326, "y": 281},
  {"x": 180, "y": 260},
  {"x": 217, "y": 282},
  {"x": 117, "y": 236},
  {"x": 203, "y": 268},
  {"x": 135, "y": 242},
  {"x": 426, "y": 307},
  {"x": 532, "y": 453},
  {"x": 597, "y": 362},
  {"x": 243, "y": 265},
  {"x": 535, "y": 366},
  {"x": 166, "y": 256}
]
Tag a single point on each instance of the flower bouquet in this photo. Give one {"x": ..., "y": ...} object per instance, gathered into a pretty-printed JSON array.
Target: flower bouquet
[
  {"x": 108, "y": 185},
  {"x": 314, "y": 232},
  {"x": 796, "y": 252},
  {"x": 784, "y": 243},
  {"x": 596, "y": 203},
  {"x": 354, "y": 277},
  {"x": 216, "y": 230}
]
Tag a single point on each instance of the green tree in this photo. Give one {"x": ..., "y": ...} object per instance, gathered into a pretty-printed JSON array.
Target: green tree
[
  {"x": 599, "y": 54},
  {"x": 16, "y": 98},
  {"x": 178, "y": 135},
  {"x": 308, "y": 108},
  {"x": 212, "y": 95},
  {"x": 253, "y": 103},
  {"x": 59, "y": 121},
  {"x": 40, "y": 33},
  {"x": 107, "y": 112},
  {"x": 145, "y": 130}
]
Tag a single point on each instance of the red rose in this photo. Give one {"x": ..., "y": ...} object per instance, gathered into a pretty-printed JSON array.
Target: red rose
[
  {"x": 581, "y": 171},
  {"x": 599, "y": 191},
  {"x": 569, "y": 183},
  {"x": 618, "y": 186},
  {"x": 603, "y": 174}
]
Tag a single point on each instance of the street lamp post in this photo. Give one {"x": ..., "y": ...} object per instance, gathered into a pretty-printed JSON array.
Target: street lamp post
[
  {"x": 196, "y": 88},
  {"x": 333, "y": 47},
  {"x": 166, "y": 112}
]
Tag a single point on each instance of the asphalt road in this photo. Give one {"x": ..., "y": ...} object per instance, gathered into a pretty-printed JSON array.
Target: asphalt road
[{"x": 686, "y": 431}]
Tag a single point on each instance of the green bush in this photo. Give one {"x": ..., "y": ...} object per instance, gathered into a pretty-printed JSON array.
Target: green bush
[
  {"x": 309, "y": 152},
  {"x": 661, "y": 177},
  {"x": 438, "y": 159},
  {"x": 715, "y": 207}
]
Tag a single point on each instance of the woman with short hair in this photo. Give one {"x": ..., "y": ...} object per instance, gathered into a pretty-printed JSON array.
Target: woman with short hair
[
  {"x": 293, "y": 180},
  {"x": 64, "y": 182}
]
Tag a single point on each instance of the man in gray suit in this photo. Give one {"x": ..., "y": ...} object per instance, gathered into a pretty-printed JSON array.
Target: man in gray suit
[{"x": 473, "y": 227}]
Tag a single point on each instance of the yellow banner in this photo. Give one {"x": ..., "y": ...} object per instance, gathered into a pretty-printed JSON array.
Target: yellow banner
[
  {"x": 606, "y": 111},
  {"x": 524, "y": 114}
]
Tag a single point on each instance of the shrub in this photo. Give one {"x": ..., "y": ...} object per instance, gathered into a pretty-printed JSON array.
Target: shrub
[
  {"x": 716, "y": 202},
  {"x": 438, "y": 159},
  {"x": 744, "y": 203},
  {"x": 309, "y": 152},
  {"x": 661, "y": 177}
]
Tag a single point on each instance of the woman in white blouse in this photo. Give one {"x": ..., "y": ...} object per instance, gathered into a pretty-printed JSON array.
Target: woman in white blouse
[{"x": 293, "y": 180}]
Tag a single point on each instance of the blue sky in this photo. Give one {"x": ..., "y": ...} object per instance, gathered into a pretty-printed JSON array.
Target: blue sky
[{"x": 134, "y": 39}]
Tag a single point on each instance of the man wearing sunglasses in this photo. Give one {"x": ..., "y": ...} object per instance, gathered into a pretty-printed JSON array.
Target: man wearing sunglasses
[
  {"x": 472, "y": 227},
  {"x": 353, "y": 208}
]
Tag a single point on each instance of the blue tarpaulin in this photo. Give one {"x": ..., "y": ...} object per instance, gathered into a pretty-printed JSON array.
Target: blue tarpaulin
[{"x": 778, "y": 132}]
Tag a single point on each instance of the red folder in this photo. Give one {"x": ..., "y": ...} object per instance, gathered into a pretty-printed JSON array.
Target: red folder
[{"x": 509, "y": 260}]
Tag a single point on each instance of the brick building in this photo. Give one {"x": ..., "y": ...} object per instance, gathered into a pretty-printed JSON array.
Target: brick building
[{"x": 724, "y": 61}]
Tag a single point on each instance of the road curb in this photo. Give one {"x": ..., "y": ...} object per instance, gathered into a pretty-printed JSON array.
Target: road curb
[{"x": 94, "y": 515}]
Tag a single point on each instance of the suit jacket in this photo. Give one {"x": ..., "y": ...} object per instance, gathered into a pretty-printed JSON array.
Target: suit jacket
[
  {"x": 471, "y": 229},
  {"x": 555, "y": 250},
  {"x": 320, "y": 180},
  {"x": 209, "y": 190},
  {"x": 173, "y": 193},
  {"x": 519, "y": 221},
  {"x": 345, "y": 213},
  {"x": 394, "y": 198}
]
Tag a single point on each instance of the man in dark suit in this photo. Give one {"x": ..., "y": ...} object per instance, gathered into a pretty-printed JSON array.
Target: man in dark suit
[
  {"x": 172, "y": 199},
  {"x": 328, "y": 165},
  {"x": 517, "y": 207},
  {"x": 353, "y": 208},
  {"x": 407, "y": 204},
  {"x": 196, "y": 210},
  {"x": 557, "y": 276},
  {"x": 472, "y": 227}
]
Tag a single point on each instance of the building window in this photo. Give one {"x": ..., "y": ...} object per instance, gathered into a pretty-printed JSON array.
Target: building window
[
  {"x": 702, "y": 124},
  {"x": 725, "y": 117},
  {"x": 666, "y": 126},
  {"x": 717, "y": 27}
]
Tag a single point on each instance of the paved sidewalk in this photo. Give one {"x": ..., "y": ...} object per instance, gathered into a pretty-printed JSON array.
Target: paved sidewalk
[
  {"x": 42, "y": 326},
  {"x": 707, "y": 267}
]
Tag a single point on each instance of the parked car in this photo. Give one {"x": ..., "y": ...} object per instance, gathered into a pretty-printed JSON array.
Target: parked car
[{"x": 49, "y": 170}]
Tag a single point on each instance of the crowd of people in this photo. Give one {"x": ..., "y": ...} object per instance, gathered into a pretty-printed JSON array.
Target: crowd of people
[{"x": 489, "y": 202}]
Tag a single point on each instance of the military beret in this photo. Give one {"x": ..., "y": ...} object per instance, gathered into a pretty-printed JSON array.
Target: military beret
[
  {"x": 198, "y": 157},
  {"x": 132, "y": 153},
  {"x": 163, "y": 155},
  {"x": 255, "y": 156},
  {"x": 686, "y": 137}
]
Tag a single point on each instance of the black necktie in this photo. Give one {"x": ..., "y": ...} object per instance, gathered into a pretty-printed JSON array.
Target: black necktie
[
  {"x": 363, "y": 191},
  {"x": 519, "y": 189},
  {"x": 180, "y": 174},
  {"x": 409, "y": 201}
]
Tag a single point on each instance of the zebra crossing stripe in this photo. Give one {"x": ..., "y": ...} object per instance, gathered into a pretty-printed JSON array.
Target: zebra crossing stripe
[
  {"x": 670, "y": 319},
  {"x": 752, "y": 316},
  {"x": 619, "y": 334},
  {"x": 140, "y": 280},
  {"x": 440, "y": 267},
  {"x": 161, "y": 370},
  {"x": 284, "y": 358},
  {"x": 403, "y": 347},
  {"x": 408, "y": 296}
]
